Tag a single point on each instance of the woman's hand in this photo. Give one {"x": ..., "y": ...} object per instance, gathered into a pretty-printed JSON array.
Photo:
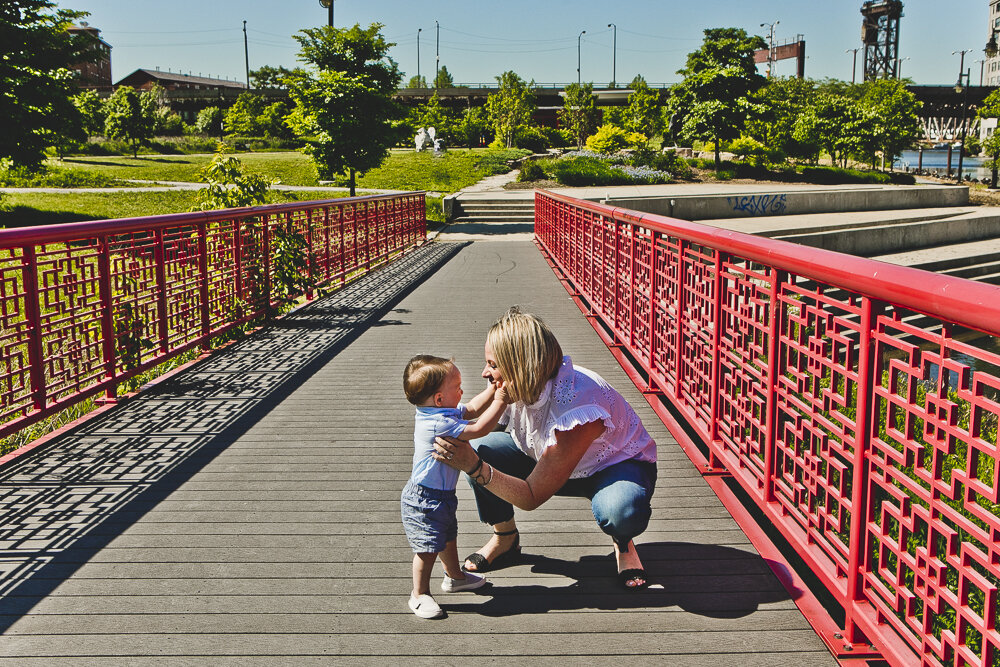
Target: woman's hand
[{"x": 456, "y": 453}]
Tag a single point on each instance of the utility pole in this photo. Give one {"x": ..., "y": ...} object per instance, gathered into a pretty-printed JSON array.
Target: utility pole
[
  {"x": 614, "y": 55},
  {"x": 246, "y": 53},
  {"x": 770, "y": 46},
  {"x": 437, "y": 53},
  {"x": 578, "y": 37},
  {"x": 419, "y": 30},
  {"x": 854, "y": 63}
]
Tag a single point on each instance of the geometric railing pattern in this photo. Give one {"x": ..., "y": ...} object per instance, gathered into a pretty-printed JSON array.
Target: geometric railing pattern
[
  {"x": 84, "y": 306},
  {"x": 855, "y": 402}
]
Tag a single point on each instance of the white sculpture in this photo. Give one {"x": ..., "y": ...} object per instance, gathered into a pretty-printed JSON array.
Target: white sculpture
[
  {"x": 424, "y": 139},
  {"x": 439, "y": 146}
]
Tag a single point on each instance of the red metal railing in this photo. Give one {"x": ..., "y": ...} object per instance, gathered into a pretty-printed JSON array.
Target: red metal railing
[
  {"x": 855, "y": 402},
  {"x": 84, "y": 306}
]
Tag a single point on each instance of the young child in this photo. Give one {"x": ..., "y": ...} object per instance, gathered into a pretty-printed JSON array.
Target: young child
[{"x": 429, "y": 502}]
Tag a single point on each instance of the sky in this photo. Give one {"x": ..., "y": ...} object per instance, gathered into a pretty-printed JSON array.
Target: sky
[{"x": 538, "y": 39}]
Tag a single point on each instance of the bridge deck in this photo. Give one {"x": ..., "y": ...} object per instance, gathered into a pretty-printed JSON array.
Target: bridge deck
[{"x": 246, "y": 511}]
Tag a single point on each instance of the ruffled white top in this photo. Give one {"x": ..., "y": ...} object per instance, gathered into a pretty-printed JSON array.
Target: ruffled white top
[{"x": 578, "y": 396}]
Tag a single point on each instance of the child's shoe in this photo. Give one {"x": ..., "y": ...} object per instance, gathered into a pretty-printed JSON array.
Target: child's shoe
[
  {"x": 471, "y": 582},
  {"x": 424, "y": 606}
]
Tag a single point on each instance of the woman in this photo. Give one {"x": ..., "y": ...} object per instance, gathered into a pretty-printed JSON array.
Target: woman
[{"x": 569, "y": 433}]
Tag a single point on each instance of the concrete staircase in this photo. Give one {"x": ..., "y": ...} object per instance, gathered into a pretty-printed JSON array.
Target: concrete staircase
[{"x": 491, "y": 210}]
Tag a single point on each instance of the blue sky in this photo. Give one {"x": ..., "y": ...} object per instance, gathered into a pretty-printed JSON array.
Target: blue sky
[{"x": 536, "y": 38}]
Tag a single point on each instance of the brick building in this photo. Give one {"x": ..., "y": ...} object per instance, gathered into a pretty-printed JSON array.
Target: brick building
[{"x": 95, "y": 75}]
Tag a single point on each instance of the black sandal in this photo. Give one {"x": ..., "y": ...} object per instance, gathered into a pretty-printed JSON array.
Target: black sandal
[
  {"x": 509, "y": 557},
  {"x": 633, "y": 575}
]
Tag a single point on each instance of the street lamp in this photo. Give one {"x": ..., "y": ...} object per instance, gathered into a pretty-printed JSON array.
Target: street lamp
[
  {"x": 578, "y": 38},
  {"x": 991, "y": 46},
  {"x": 899, "y": 66},
  {"x": 854, "y": 63},
  {"x": 770, "y": 45},
  {"x": 614, "y": 55},
  {"x": 418, "y": 56},
  {"x": 329, "y": 5},
  {"x": 964, "y": 91}
]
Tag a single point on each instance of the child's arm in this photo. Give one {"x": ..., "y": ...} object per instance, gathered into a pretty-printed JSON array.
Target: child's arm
[
  {"x": 489, "y": 418},
  {"x": 474, "y": 408}
]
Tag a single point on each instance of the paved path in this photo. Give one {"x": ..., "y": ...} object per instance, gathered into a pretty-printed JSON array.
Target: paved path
[{"x": 246, "y": 511}]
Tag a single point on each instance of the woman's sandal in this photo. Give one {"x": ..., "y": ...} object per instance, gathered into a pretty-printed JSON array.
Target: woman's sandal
[
  {"x": 633, "y": 575},
  {"x": 508, "y": 557}
]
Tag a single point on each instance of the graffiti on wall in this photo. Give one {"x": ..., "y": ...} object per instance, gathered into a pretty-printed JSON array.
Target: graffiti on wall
[{"x": 758, "y": 204}]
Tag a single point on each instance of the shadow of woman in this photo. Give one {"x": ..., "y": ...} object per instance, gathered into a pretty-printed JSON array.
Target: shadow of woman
[{"x": 703, "y": 579}]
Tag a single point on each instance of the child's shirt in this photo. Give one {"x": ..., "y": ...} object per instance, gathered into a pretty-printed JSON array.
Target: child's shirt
[{"x": 428, "y": 424}]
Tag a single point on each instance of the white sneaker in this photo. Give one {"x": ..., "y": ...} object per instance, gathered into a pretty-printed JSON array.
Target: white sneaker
[
  {"x": 471, "y": 582},
  {"x": 424, "y": 606}
]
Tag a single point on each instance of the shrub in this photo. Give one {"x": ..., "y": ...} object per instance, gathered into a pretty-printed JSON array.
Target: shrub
[
  {"x": 53, "y": 177},
  {"x": 532, "y": 139},
  {"x": 609, "y": 139},
  {"x": 498, "y": 161},
  {"x": 531, "y": 171},
  {"x": 667, "y": 161},
  {"x": 578, "y": 170}
]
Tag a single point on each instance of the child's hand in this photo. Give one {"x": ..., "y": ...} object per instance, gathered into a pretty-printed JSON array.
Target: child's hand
[{"x": 501, "y": 392}]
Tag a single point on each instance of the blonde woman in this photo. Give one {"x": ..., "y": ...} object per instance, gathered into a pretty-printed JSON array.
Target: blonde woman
[{"x": 569, "y": 433}]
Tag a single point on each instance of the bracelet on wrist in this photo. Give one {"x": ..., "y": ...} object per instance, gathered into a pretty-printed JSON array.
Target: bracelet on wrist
[
  {"x": 481, "y": 478},
  {"x": 476, "y": 469}
]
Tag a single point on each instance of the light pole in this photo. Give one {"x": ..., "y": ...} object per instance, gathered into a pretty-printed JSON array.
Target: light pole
[
  {"x": 899, "y": 66},
  {"x": 854, "y": 63},
  {"x": 614, "y": 55},
  {"x": 964, "y": 91},
  {"x": 770, "y": 45},
  {"x": 246, "y": 53},
  {"x": 418, "y": 56},
  {"x": 982, "y": 69},
  {"x": 437, "y": 52},
  {"x": 578, "y": 37},
  {"x": 329, "y": 5}
]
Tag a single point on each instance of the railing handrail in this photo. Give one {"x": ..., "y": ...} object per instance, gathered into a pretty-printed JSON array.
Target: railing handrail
[
  {"x": 965, "y": 302},
  {"x": 67, "y": 231}
]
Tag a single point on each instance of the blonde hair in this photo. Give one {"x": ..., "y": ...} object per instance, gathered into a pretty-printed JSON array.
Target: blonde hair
[
  {"x": 423, "y": 377},
  {"x": 527, "y": 354}
]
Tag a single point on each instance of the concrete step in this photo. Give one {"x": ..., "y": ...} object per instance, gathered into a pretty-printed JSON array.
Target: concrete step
[
  {"x": 947, "y": 257},
  {"x": 495, "y": 216}
]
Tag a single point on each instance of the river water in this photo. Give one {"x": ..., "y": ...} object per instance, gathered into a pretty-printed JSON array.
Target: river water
[{"x": 936, "y": 160}]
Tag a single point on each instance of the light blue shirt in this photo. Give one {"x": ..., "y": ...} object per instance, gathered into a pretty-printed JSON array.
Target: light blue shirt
[{"x": 428, "y": 424}]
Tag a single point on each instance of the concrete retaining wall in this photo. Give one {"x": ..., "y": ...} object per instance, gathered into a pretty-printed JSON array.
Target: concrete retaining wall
[{"x": 797, "y": 202}]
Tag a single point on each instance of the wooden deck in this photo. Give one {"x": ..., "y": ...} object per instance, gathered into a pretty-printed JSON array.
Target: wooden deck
[{"x": 246, "y": 512}]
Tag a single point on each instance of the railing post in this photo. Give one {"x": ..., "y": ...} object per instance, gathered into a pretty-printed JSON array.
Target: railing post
[
  {"x": 106, "y": 294},
  {"x": 159, "y": 259},
  {"x": 679, "y": 312},
  {"x": 206, "y": 319},
  {"x": 266, "y": 221},
  {"x": 343, "y": 254},
  {"x": 237, "y": 259},
  {"x": 717, "y": 320},
  {"x": 771, "y": 419},
  {"x": 33, "y": 313},
  {"x": 653, "y": 235},
  {"x": 326, "y": 244},
  {"x": 865, "y": 423},
  {"x": 309, "y": 255}
]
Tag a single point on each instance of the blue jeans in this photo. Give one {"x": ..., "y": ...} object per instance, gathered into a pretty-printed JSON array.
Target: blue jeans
[{"x": 619, "y": 494}]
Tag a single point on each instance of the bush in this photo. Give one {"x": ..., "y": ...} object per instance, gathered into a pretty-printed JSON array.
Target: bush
[
  {"x": 610, "y": 139},
  {"x": 667, "y": 161},
  {"x": 531, "y": 171},
  {"x": 53, "y": 177},
  {"x": 532, "y": 139},
  {"x": 499, "y": 160},
  {"x": 576, "y": 170}
]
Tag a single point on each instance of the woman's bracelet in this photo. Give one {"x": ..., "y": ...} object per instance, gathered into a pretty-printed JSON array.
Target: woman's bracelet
[
  {"x": 481, "y": 480},
  {"x": 472, "y": 473}
]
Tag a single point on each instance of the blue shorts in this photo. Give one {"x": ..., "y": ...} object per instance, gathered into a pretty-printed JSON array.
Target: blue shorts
[{"x": 429, "y": 517}]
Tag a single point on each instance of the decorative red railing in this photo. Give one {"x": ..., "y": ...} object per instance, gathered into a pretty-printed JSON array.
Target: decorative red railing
[
  {"x": 85, "y": 306},
  {"x": 855, "y": 402}
]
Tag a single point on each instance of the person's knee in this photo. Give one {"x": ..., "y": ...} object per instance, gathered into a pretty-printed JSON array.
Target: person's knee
[{"x": 622, "y": 514}]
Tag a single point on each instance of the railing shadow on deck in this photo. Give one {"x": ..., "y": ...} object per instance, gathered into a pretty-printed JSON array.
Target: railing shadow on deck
[{"x": 87, "y": 487}]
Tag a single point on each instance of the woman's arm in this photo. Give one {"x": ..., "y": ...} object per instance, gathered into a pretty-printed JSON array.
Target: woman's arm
[{"x": 552, "y": 471}]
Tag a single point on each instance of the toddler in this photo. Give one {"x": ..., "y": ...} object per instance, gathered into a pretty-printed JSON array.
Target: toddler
[{"x": 429, "y": 502}]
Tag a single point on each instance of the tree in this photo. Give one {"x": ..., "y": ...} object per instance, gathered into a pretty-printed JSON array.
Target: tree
[
  {"x": 91, "y": 109},
  {"x": 990, "y": 108},
  {"x": 642, "y": 114},
  {"x": 209, "y": 121},
  {"x": 35, "y": 83},
  {"x": 783, "y": 101},
  {"x": 443, "y": 78},
  {"x": 714, "y": 99},
  {"x": 345, "y": 106},
  {"x": 579, "y": 112},
  {"x": 473, "y": 128},
  {"x": 229, "y": 184},
  {"x": 271, "y": 78},
  {"x": 417, "y": 82},
  {"x": 887, "y": 122},
  {"x": 128, "y": 118},
  {"x": 511, "y": 107}
]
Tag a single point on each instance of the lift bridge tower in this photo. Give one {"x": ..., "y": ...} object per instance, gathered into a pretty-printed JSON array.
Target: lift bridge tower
[{"x": 880, "y": 36}]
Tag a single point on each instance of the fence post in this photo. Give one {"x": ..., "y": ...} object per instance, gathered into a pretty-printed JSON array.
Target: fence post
[
  {"x": 266, "y": 222},
  {"x": 106, "y": 294},
  {"x": 159, "y": 260},
  {"x": 679, "y": 313},
  {"x": 309, "y": 254},
  {"x": 771, "y": 420},
  {"x": 717, "y": 319},
  {"x": 865, "y": 423},
  {"x": 34, "y": 315},
  {"x": 203, "y": 267}
]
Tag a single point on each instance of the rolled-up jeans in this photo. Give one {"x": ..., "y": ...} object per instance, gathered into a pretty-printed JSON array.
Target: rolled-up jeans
[{"x": 619, "y": 494}]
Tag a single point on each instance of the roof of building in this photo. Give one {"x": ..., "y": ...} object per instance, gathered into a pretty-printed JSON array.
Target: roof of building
[
  {"x": 177, "y": 77},
  {"x": 89, "y": 29}
]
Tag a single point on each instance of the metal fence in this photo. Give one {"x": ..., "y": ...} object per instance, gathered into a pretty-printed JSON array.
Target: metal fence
[
  {"x": 85, "y": 306},
  {"x": 855, "y": 402}
]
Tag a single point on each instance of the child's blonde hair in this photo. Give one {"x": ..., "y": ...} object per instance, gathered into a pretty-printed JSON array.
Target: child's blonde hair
[
  {"x": 527, "y": 354},
  {"x": 423, "y": 376}
]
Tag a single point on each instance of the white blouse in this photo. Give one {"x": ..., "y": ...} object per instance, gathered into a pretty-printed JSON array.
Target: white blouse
[{"x": 578, "y": 396}]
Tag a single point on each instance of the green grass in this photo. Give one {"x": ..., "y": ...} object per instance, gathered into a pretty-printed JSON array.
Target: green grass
[
  {"x": 291, "y": 168},
  {"x": 22, "y": 210}
]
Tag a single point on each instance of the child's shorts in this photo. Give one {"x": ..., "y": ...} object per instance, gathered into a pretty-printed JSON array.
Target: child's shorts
[{"x": 429, "y": 517}]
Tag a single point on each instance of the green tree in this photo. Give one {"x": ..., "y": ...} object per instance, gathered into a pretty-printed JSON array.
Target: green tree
[
  {"x": 433, "y": 114},
  {"x": 579, "y": 112},
  {"x": 887, "y": 123},
  {"x": 229, "y": 185},
  {"x": 714, "y": 100},
  {"x": 642, "y": 114},
  {"x": 128, "y": 118},
  {"x": 783, "y": 101},
  {"x": 443, "y": 78},
  {"x": 991, "y": 146},
  {"x": 252, "y": 116},
  {"x": 209, "y": 121},
  {"x": 345, "y": 106},
  {"x": 35, "y": 83},
  {"x": 510, "y": 108},
  {"x": 417, "y": 82},
  {"x": 833, "y": 114},
  {"x": 473, "y": 127},
  {"x": 270, "y": 78},
  {"x": 91, "y": 109}
]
